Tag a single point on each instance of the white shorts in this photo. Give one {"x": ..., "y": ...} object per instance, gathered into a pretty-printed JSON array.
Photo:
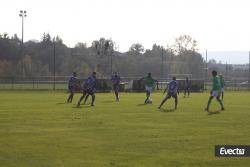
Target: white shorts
[
  {"x": 148, "y": 88},
  {"x": 215, "y": 93}
]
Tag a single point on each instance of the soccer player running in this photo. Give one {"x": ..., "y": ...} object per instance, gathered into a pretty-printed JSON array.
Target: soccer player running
[
  {"x": 116, "y": 84},
  {"x": 222, "y": 82},
  {"x": 172, "y": 89},
  {"x": 149, "y": 85},
  {"x": 90, "y": 89},
  {"x": 187, "y": 86},
  {"x": 215, "y": 92},
  {"x": 72, "y": 86}
]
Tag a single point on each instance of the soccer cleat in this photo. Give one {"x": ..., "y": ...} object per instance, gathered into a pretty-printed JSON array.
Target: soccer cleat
[
  {"x": 206, "y": 109},
  {"x": 222, "y": 108}
]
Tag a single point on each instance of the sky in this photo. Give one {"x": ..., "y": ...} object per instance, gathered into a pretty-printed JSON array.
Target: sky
[{"x": 217, "y": 25}]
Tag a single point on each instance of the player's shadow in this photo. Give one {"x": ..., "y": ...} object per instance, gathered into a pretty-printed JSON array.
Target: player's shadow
[
  {"x": 141, "y": 104},
  {"x": 82, "y": 106},
  {"x": 107, "y": 101},
  {"x": 62, "y": 103},
  {"x": 214, "y": 112},
  {"x": 167, "y": 110}
]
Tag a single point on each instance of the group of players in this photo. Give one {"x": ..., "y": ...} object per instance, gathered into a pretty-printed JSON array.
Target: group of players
[{"x": 89, "y": 89}]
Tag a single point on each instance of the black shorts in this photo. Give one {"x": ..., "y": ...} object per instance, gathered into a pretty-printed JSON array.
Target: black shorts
[
  {"x": 116, "y": 87},
  {"x": 89, "y": 91},
  {"x": 71, "y": 89},
  {"x": 169, "y": 95}
]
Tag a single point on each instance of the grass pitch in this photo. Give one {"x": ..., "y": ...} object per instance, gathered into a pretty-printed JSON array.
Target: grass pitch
[{"x": 37, "y": 129}]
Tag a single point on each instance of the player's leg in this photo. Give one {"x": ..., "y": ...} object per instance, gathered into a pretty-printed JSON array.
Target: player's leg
[
  {"x": 219, "y": 100},
  {"x": 86, "y": 98},
  {"x": 164, "y": 100},
  {"x": 71, "y": 94},
  {"x": 185, "y": 91},
  {"x": 81, "y": 98},
  {"x": 116, "y": 89},
  {"x": 222, "y": 93},
  {"x": 188, "y": 92},
  {"x": 147, "y": 96},
  {"x": 175, "y": 101},
  {"x": 117, "y": 95},
  {"x": 93, "y": 99},
  {"x": 209, "y": 102}
]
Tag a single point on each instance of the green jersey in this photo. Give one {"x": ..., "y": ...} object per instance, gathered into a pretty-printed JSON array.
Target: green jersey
[
  {"x": 222, "y": 82},
  {"x": 216, "y": 84},
  {"x": 149, "y": 81}
]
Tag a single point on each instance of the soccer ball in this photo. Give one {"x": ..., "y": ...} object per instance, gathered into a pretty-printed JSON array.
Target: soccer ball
[{"x": 149, "y": 101}]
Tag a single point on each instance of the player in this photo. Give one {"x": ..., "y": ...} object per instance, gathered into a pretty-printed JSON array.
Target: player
[
  {"x": 172, "y": 89},
  {"x": 116, "y": 83},
  {"x": 222, "y": 82},
  {"x": 215, "y": 92},
  {"x": 149, "y": 85},
  {"x": 89, "y": 89},
  {"x": 72, "y": 86},
  {"x": 187, "y": 87}
]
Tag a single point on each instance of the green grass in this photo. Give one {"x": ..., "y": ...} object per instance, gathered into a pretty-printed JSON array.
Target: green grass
[{"x": 37, "y": 129}]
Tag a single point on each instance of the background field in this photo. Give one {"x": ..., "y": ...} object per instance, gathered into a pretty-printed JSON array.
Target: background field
[{"x": 37, "y": 129}]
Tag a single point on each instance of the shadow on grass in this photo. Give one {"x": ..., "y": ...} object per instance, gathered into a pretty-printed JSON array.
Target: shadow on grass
[
  {"x": 141, "y": 104},
  {"x": 108, "y": 101},
  {"x": 84, "y": 106},
  {"x": 166, "y": 110},
  {"x": 214, "y": 112},
  {"x": 62, "y": 103}
]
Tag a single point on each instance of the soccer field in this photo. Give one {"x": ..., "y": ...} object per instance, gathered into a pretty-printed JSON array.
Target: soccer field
[{"x": 39, "y": 130}]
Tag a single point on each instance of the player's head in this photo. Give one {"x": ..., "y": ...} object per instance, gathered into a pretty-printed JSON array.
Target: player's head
[
  {"x": 94, "y": 74},
  {"x": 186, "y": 78},
  {"x": 214, "y": 73},
  {"x": 115, "y": 73},
  {"x": 74, "y": 74},
  {"x": 149, "y": 74},
  {"x": 174, "y": 78}
]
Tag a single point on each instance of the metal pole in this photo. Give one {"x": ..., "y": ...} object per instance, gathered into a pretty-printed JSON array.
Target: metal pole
[
  {"x": 54, "y": 51},
  {"x": 22, "y": 30},
  {"x": 206, "y": 70},
  {"x": 111, "y": 63},
  {"x": 162, "y": 62},
  {"x": 249, "y": 73},
  {"x": 226, "y": 72},
  {"x": 22, "y": 14}
]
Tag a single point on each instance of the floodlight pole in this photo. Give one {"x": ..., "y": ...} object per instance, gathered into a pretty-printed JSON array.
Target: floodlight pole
[
  {"x": 22, "y": 14},
  {"x": 249, "y": 73},
  {"x": 111, "y": 62},
  {"x": 162, "y": 62},
  {"x": 206, "y": 71},
  {"x": 54, "y": 55}
]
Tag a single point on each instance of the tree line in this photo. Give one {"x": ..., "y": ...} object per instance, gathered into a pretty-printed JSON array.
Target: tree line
[{"x": 50, "y": 54}]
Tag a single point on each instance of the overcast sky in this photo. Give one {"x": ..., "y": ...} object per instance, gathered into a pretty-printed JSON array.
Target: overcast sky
[{"x": 217, "y": 25}]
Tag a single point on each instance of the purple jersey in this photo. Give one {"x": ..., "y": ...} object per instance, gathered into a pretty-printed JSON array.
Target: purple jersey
[
  {"x": 90, "y": 83},
  {"x": 115, "y": 79},
  {"x": 172, "y": 87},
  {"x": 72, "y": 81}
]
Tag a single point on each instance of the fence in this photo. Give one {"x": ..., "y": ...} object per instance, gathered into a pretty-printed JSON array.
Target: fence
[{"x": 104, "y": 84}]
